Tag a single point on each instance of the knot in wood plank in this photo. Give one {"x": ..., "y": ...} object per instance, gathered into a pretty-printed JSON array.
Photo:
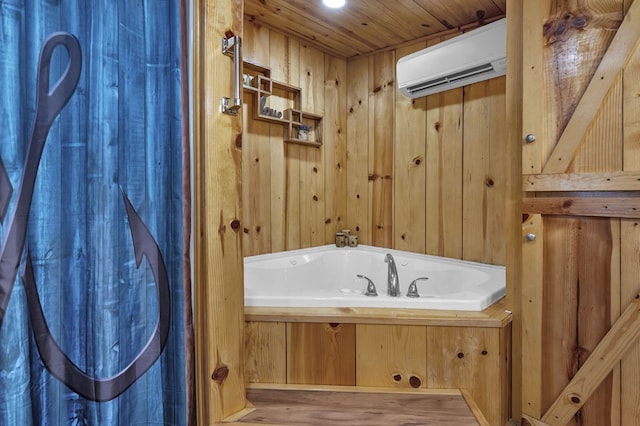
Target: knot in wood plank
[{"x": 220, "y": 374}]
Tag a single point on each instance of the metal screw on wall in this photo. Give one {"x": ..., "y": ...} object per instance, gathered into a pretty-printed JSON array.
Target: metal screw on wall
[
  {"x": 530, "y": 138},
  {"x": 530, "y": 237}
]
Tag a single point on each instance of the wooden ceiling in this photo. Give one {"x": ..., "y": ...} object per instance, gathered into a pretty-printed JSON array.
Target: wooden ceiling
[{"x": 366, "y": 26}]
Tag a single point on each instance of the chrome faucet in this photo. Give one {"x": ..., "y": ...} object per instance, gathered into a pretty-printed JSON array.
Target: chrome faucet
[{"x": 393, "y": 285}]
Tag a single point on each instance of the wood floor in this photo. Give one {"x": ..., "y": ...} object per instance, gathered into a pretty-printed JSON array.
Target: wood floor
[{"x": 343, "y": 407}]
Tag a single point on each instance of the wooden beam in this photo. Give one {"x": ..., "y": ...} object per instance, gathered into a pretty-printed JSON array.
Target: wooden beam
[
  {"x": 615, "y": 59},
  {"x": 513, "y": 194},
  {"x": 586, "y": 206},
  {"x": 613, "y": 181},
  {"x": 606, "y": 355}
]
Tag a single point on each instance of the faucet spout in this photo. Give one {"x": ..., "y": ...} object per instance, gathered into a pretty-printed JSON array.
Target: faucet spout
[{"x": 393, "y": 285}]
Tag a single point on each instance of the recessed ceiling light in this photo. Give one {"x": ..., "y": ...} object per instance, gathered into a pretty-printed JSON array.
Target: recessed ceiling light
[{"x": 334, "y": 3}]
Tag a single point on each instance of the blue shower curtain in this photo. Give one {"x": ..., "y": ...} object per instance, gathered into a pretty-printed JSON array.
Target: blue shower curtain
[{"x": 94, "y": 292}]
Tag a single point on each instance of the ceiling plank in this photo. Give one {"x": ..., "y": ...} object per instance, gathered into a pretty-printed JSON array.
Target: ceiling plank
[
  {"x": 364, "y": 27},
  {"x": 455, "y": 13}
]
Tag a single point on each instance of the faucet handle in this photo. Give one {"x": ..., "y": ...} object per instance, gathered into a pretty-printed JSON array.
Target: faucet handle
[
  {"x": 371, "y": 287},
  {"x": 413, "y": 287}
]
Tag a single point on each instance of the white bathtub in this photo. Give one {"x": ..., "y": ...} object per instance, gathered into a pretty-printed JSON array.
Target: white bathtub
[{"x": 326, "y": 276}]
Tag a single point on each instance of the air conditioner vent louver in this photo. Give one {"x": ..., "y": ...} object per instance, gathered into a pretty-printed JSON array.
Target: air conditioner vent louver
[
  {"x": 475, "y": 56},
  {"x": 471, "y": 72}
]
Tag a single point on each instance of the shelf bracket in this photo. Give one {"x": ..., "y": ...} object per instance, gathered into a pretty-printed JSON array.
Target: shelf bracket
[{"x": 232, "y": 46}]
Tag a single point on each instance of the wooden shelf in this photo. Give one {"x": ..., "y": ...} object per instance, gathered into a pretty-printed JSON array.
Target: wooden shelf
[
  {"x": 262, "y": 87},
  {"x": 299, "y": 118}
]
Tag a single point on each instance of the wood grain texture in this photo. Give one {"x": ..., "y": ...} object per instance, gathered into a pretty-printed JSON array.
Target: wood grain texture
[
  {"x": 256, "y": 158},
  {"x": 391, "y": 356},
  {"x": 584, "y": 258},
  {"x": 443, "y": 167},
  {"x": 445, "y": 142},
  {"x": 410, "y": 162},
  {"x": 494, "y": 316},
  {"x": 608, "y": 69},
  {"x": 402, "y": 358},
  {"x": 311, "y": 167},
  {"x": 513, "y": 195},
  {"x": 287, "y": 191},
  {"x": 484, "y": 172},
  {"x": 628, "y": 207},
  {"x": 630, "y": 243},
  {"x": 381, "y": 145},
  {"x": 293, "y": 154},
  {"x": 335, "y": 147},
  {"x": 624, "y": 334},
  {"x": 532, "y": 315},
  {"x": 602, "y": 181},
  {"x": 468, "y": 359},
  {"x": 601, "y": 149},
  {"x": 218, "y": 277},
  {"x": 279, "y": 46},
  {"x": 352, "y": 408},
  {"x": 265, "y": 352},
  {"x": 576, "y": 304},
  {"x": 533, "y": 67},
  {"x": 321, "y": 353},
  {"x": 358, "y": 217},
  {"x": 296, "y": 194}
]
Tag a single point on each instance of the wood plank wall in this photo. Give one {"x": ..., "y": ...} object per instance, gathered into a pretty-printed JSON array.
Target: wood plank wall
[
  {"x": 425, "y": 175},
  {"x": 294, "y": 196},
  {"x": 437, "y": 184}
]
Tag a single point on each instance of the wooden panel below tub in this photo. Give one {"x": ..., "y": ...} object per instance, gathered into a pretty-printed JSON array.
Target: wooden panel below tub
[
  {"x": 474, "y": 357},
  {"x": 265, "y": 352},
  {"x": 391, "y": 356},
  {"x": 321, "y": 354}
]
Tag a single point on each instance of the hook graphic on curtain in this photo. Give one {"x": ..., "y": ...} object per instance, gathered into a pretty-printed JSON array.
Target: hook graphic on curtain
[{"x": 49, "y": 103}]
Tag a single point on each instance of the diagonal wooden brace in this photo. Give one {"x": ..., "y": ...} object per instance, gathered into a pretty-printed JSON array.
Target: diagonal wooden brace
[{"x": 620, "y": 338}]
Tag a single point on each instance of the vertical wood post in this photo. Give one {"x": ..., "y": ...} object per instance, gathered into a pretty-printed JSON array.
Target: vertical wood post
[
  {"x": 513, "y": 196},
  {"x": 217, "y": 258}
]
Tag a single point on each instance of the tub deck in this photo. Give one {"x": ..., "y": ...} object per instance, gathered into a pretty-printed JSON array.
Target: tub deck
[
  {"x": 495, "y": 315},
  {"x": 296, "y": 405}
]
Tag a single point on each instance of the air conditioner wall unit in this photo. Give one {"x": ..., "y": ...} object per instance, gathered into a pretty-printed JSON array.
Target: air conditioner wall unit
[{"x": 475, "y": 56}]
